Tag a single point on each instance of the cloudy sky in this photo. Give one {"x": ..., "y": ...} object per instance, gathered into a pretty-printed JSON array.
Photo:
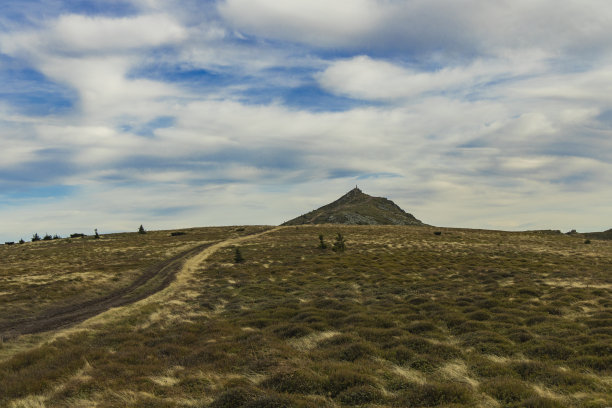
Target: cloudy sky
[{"x": 116, "y": 113}]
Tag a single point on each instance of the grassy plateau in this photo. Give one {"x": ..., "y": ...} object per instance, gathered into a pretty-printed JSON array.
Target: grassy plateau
[{"x": 402, "y": 318}]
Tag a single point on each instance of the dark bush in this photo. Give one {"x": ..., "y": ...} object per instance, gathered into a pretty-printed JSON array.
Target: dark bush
[
  {"x": 177, "y": 233},
  {"x": 35, "y": 237},
  {"x": 238, "y": 258},
  {"x": 339, "y": 243}
]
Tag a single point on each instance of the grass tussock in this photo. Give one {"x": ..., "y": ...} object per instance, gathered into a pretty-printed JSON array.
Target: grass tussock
[{"x": 401, "y": 318}]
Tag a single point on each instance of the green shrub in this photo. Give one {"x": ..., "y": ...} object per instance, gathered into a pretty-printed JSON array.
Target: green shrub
[
  {"x": 339, "y": 243},
  {"x": 322, "y": 244},
  {"x": 238, "y": 258}
]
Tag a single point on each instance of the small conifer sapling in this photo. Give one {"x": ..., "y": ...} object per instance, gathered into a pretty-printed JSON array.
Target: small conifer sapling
[
  {"x": 339, "y": 244},
  {"x": 322, "y": 244},
  {"x": 238, "y": 258},
  {"x": 141, "y": 230}
]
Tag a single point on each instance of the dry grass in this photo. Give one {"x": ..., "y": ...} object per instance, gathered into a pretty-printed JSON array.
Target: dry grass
[{"x": 402, "y": 318}]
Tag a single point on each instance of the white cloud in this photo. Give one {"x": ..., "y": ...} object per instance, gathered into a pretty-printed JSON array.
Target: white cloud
[
  {"x": 365, "y": 78},
  {"x": 317, "y": 22},
  {"x": 83, "y": 34}
]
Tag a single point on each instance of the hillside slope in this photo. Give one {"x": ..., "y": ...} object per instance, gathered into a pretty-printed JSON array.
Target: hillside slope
[
  {"x": 358, "y": 208},
  {"x": 606, "y": 235}
]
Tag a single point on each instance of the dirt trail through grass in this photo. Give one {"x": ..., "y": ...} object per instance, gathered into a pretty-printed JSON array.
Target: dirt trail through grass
[{"x": 153, "y": 280}]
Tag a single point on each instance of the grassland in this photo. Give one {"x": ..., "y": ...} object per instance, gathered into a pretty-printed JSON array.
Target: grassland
[{"x": 402, "y": 318}]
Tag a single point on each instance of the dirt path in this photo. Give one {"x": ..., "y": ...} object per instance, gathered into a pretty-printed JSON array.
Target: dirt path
[{"x": 153, "y": 280}]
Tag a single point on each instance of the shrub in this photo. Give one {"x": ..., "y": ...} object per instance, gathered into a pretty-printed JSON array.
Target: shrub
[
  {"x": 339, "y": 244},
  {"x": 141, "y": 230},
  {"x": 177, "y": 233},
  {"x": 322, "y": 244},
  {"x": 47, "y": 237},
  {"x": 238, "y": 258},
  {"x": 35, "y": 237},
  {"x": 96, "y": 236}
]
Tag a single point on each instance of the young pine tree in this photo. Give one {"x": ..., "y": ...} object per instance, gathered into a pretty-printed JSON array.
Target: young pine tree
[
  {"x": 322, "y": 244},
  {"x": 238, "y": 256},
  {"x": 339, "y": 244},
  {"x": 141, "y": 230}
]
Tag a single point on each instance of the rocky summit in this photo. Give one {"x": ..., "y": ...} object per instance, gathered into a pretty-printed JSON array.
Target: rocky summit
[{"x": 358, "y": 208}]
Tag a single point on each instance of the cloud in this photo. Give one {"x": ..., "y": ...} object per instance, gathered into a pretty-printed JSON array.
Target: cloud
[
  {"x": 79, "y": 34},
  {"x": 459, "y": 29},
  {"x": 466, "y": 114},
  {"x": 317, "y": 22}
]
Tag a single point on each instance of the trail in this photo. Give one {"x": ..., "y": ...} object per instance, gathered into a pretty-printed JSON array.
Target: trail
[{"x": 153, "y": 280}]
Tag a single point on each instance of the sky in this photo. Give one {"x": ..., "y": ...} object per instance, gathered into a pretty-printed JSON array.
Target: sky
[{"x": 175, "y": 114}]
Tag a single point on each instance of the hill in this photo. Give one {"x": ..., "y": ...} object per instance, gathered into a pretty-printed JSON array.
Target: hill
[
  {"x": 607, "y": 235},
  {"x": 357, "y": 208}
]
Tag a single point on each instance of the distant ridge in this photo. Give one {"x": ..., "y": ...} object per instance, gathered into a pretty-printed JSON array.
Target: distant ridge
[
  {"x": 607, "y": 235},
  {"x": 357, "y": 208}
]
